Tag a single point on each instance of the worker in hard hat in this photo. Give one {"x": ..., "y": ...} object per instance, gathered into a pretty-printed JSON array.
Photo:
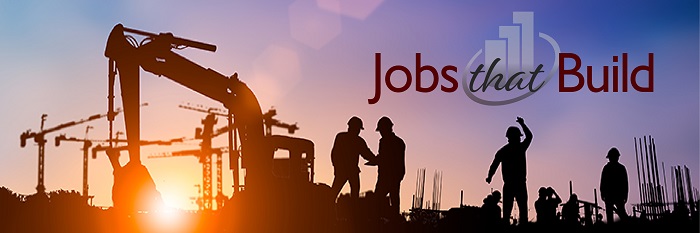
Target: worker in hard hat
[
  {"x": 546, "y": 205},
  {"x": 347, "y": 148},
  {"x": 570, "y": 214},
  {"x": 613, "y": 186},
  {"x": 391, "y": 159},
  {"x": 491, "y": 212},
  {"x": 514, "y": 170}
]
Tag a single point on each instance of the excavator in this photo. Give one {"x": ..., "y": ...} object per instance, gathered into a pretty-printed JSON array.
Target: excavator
[{"x": 268, "y": 203}]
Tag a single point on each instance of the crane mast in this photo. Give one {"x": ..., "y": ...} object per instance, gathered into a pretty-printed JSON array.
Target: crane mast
[{"x": 86, "y": 147}]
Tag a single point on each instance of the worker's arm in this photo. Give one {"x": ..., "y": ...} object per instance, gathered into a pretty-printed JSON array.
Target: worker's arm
[
  {"x": 528, "y": 133},
  {"x": 603, "y": 184},
  {"x": 374, "y": 161},
  {"x": 334, "y": 150},
  {"x": 557, "y": 199},
  {"x": 366, "y": 153},
  {"x": 494, "y": 166},
  {"x": 625, "y": 187}
]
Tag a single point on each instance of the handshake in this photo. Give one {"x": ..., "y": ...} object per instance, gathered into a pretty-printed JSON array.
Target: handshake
[{"x": 372, "y": 162}]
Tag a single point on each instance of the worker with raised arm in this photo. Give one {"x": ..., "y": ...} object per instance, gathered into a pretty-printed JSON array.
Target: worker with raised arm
[
  {"x": 347, "y": 148},
  {"x": 514, "y": 170}
]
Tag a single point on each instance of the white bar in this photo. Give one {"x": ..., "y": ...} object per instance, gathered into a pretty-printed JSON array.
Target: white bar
[
  {"x": 526, "y": 19},
  {"x": 512, "y": 34},
  {"x": 495, "y": 49}
]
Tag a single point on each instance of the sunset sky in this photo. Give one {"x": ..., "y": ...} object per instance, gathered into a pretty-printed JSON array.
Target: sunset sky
[{"x": 313, "y": 61}]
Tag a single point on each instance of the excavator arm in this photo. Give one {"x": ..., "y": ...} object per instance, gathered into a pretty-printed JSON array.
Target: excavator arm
[{"x": 155, "y": 55}]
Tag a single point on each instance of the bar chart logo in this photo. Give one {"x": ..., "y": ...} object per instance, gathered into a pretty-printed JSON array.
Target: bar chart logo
[{"x": 509, "y": 72}]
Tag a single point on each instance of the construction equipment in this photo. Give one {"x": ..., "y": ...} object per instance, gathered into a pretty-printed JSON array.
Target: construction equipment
[
  {"x": 286, "y": 200},
  {"x": 39, "y": 138}
]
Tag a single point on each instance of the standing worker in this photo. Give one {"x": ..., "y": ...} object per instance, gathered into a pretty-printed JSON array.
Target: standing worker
[
  {"x": 613, "y": 186},
  {"x": 514, "y": 170},
  {"x": 391, "y": 159},
  {"x": 347, "y": 148}
]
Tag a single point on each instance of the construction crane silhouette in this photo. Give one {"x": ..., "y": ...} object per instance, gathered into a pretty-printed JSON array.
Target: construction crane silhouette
[
  {"x": 39, "y": 138},
  {"x": 205, "y": 202},
  {"x": 268, "y": 118},
  {"x": 268, "y": 121},
  {"x": 204, "y": 155},
  {"x": 115, "y": 150},
  {"x": 206, "y": 134}
]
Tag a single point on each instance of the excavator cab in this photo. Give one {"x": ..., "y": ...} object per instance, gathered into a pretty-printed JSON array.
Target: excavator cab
[{"x": 298, "y": 166}]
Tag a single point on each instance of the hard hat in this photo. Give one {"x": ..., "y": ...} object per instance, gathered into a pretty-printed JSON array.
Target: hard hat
[
  {"x": 355, "y": 121},
  {"x": 513, "y": 132},
  {"x": 613, "y": 152},
  {"x": 384, "y": 123},
  {"x": 496, "y": 194}
]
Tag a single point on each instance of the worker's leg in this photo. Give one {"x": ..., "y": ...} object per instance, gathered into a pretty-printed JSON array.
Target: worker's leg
[
  {"x": 338, "y": 183},
  {"x": 354, "y": 181},
  {"x": 521, "y": 198},
  {"x": 507, "y": 202},
  {"x": 609, "y": 208},
  {"x": 381, "y": 189},
  {"x": 395, "y": 196},
  {"x": 620, "y": 210}
]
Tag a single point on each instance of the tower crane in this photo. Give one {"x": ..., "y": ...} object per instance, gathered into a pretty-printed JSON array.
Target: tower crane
[
  {"x": 207, "y": 134},
  {"x": 116, "y": 150},
  {"x": 86, "y": 147},
  {"x": 39, "y": 138},
  {"x": 268, "y": 118},
  {"x": 205, "y": 203},
  {"x": 204, "y": 155}
]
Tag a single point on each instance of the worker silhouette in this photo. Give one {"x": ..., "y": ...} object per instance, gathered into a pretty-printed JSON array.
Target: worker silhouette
[
  {"x": 347, "y": 148},
  {"x": 491, "y": 212},
  {"x": 546, "y": 205},
  {"x": 392, "y": 165},
  {"x": 570, "y": 213},
  {"x": 512, "y": 156},
  {"x": 613, "y": 186}
]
